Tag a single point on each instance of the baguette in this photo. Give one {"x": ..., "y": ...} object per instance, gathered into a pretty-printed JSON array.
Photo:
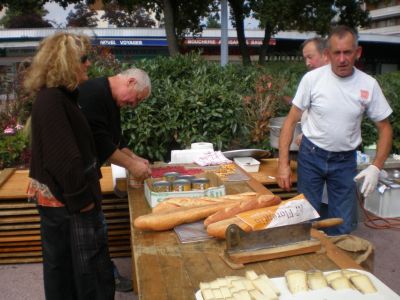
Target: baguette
[
  {"x": 218, "y": 229},
  {"x": 167, "y": 220},
  {"x": 228, "y": 212},
  {"x": 173, "y": 203},
  {"x": 170, "y": 204}
]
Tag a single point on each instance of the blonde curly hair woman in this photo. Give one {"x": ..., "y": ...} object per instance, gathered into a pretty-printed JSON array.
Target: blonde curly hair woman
[{"x": 65, "y": 180}]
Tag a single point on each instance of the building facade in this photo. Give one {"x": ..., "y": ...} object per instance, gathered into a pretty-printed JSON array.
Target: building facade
[{"x": 385, "y": 16}]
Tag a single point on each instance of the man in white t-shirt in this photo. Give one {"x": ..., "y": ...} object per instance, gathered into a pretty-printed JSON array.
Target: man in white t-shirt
[{"x": 336, "y": 96}]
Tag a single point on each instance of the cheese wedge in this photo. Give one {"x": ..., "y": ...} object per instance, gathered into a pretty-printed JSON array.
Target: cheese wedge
[
  {"x": 363, "y": 284},
  {"x": 331, "y": 276},
  {"x": 316, "y": 280},
  {"x": 296, "y": 281},
  {"x": 265, "y": 288},
  {"x": 340, "y": 283}
]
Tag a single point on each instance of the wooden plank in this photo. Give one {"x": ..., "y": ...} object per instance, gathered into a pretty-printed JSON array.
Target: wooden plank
[
  {"x": 20, "y": 249},
  {"x": 18, "y": 232},
  {"x": 14, "y": 220},
  {"x": 16, "y": 205},
  {"x": 18, "y": 212},
  {"x": 5, "y": 174},
  {"x": 19, "y": 226},
  {"x": 15, "y": 187}
]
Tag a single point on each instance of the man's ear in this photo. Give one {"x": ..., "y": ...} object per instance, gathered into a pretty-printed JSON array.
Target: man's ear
[
  {"x": 132, "y": 80},
  {"x": 359, "y": 51}
]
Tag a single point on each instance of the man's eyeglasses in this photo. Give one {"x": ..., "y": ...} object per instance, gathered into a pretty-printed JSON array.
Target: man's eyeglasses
[{"x": 84, "y": 59}]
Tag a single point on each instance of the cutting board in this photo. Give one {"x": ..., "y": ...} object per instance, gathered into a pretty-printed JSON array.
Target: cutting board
[{"x": 238, "y": 259}]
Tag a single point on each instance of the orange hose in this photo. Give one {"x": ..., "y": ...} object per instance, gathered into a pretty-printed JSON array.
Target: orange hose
[{"x": 376, "y": 222}]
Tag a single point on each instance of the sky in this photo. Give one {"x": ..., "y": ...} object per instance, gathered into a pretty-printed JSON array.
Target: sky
[{"x": 59, "y": 15}]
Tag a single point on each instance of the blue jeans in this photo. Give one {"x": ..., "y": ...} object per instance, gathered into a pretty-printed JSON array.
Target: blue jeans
[{"x": 316, "y": 166}]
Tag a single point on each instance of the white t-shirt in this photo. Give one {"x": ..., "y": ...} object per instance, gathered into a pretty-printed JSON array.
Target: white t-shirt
[{"x": 336, "y": 106}]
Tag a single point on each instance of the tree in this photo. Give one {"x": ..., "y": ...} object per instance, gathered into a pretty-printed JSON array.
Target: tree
[
  {"x": 213, "y": 21},
  {"x": 179, "y": 16},
  {"x": 306, "y": 15},
  {"x": 240, "y": 9},
  {"x": 82, "y": 16},
  {"x": 121, "y": 18},
  {"x": 24, "y": 14}
]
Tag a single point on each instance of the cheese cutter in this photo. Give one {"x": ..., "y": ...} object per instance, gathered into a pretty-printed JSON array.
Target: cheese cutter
[{"x": 245, "y": 247}]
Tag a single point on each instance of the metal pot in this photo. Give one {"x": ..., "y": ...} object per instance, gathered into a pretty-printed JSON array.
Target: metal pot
[{"x": 275, "y": 125}]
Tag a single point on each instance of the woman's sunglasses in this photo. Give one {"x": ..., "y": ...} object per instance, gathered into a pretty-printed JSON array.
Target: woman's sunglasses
[{"x": 84, "y": 59}]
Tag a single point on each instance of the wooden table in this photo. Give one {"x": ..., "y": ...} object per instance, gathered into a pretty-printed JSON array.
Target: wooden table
[
  {"x": 164, "y": 268},
  {"x": 266, "y": 175}
]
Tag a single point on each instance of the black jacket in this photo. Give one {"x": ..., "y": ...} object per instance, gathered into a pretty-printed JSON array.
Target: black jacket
[
  {"x": 63, "y": 151},
  {"x": 103, "y": 115}
]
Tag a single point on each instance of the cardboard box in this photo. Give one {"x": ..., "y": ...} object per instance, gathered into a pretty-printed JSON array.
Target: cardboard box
[
  {"x": 248, "y": 164},
  {"x": 216, "y": 189}
]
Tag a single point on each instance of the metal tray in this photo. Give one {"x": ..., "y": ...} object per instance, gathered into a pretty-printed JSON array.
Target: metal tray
[{"x": 255, "y": 153}]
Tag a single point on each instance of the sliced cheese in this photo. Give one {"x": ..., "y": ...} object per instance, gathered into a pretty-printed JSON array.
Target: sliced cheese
[
  {"x": 251, "y": 275},
  {"x": 248, "y": 284},
  {"x": 242, "y": 295},
  {"x": 363, "y": 284},
  {"x": 350, "y": 273},
  {"x": 217, "y": 294},
  {"x": 340, "y": 283},
  {"x": 268, "y": 281},
  {"x": 256, "y": 295},
  {"x": 226, "y": 293},
  {"x": 296, "y": 281},
  {"x": 207, "y": 294},
  {"x": 264, "y": 288},
  {"x": 331, "y": 276},
  {"x": 205, "y": 285},
  {"x": 239, "y": 284},
  {"x": 316, "y": 280}
]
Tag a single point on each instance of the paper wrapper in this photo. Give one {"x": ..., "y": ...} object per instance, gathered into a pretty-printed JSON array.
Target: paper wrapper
[{"x": 292, "y": 211}]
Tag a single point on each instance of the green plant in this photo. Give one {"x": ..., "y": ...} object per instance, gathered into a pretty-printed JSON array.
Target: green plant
[
  {"x": 13, "y": 150},
  {"x": 192, "y": 100},
  {"x": 390, "y": 83}
]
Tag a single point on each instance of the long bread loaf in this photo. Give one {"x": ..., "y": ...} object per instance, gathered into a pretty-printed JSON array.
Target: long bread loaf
[
  {"x": 228, "y": 212},
  {"x": 173, "y": 203},
  {"x": 168, "y": 220},
  {"x": 218, "y": 229}
]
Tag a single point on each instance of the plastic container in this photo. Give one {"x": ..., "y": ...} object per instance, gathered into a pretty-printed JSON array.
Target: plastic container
[
  {"x": 216, "y": 189},
  {"x": 248, "y": 164}
]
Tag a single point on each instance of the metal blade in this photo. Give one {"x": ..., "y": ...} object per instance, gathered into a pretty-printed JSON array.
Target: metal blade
[{"x": 238, "y": 240}]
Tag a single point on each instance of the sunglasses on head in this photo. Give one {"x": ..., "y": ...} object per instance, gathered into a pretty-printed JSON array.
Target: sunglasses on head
[{"x": 84, "y": 58}]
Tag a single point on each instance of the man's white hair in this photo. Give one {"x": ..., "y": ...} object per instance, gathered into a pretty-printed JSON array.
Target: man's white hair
[{"x": 142, "y": 78}]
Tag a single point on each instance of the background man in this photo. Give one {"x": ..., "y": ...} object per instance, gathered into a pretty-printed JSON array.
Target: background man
[
  {"x": 336, "y": 97},
  {"x": 315, "y": 56},
  {"x": 100, "y": 100},
  {"x": 314, "y": 53}
]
